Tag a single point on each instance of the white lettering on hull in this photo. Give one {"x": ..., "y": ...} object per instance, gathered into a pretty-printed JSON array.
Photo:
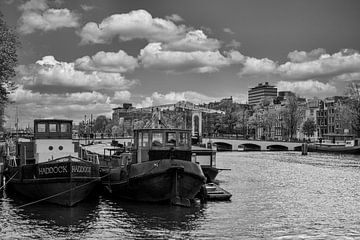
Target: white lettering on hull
[
  {"x": 52, "y": 170},
  {"x": 63, "y": 169},
  {"x": 80, "y": 169}
]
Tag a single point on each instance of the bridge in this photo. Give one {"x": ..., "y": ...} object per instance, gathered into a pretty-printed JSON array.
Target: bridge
[
  {"x": 230, "y": 144},
  {"x": 246, "y": 144}
]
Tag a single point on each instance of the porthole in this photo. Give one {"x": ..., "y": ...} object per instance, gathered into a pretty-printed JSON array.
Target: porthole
[
  {"x": 61, "y": 148},
  {"x": 51, "y": 148}
]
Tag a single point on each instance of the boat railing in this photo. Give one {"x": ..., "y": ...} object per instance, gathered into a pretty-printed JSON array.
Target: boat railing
[
  {"x": 71, "y": 158},
  {"x": 12, "y": 161},
  {"x": 93, "y": 157},
  {"x": 121, "y": 160},
  {"x": 336, "y": 142}
]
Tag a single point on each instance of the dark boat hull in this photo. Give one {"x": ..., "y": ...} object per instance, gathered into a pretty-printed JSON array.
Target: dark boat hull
[
  {"x": 216, "y": 193},
  {"x": 210, "y": 173},
  {"x": 334, "y": 149},
  {"x": 176, "y": 181},
  {"x": 56, "y": 192},
  {"x": 63, "y": 183}
]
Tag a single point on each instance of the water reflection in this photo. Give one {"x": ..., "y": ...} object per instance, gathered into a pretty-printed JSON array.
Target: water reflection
[
  {"x": 45, "y": 219},
  {"x": 148, "y": 221},
  {"x": 275, "y": 196}
]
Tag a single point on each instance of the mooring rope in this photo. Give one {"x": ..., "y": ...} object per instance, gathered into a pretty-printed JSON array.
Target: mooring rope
[
  {"x": 9, "y": 180},
  {"x": 60, "y": 193}
]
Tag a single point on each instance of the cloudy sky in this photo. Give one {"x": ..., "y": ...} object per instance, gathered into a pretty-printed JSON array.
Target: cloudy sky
[{"x": 86, "y": 57}]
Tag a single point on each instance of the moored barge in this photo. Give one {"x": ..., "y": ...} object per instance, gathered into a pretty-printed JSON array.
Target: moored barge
[
  {"x": 47, "y": 168},
  {"x": 159, "y": 169}
]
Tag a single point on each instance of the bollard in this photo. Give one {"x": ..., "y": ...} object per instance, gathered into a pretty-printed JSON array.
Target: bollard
[
  {"x": 304, "y": 149},
  {"x": 1, "y": 174}
]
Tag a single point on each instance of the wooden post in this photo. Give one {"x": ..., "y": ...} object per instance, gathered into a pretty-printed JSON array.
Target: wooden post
[
  {"x": 304, "y": 149},
  {"x": 1, "y": 174}
]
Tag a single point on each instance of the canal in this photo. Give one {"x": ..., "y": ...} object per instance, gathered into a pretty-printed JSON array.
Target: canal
[{"x": 276, "y": 195}]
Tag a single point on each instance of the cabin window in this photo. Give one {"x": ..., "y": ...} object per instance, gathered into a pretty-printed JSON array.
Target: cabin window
[
  {"x": 171, "y": 138},
  {"x": 52, "y": 127},
  {"x": 41, "y": 127},
  {"x": 182, "y": 139},
  {"x": 145, "y": 142},
  {"x": 140, "y": 138},
  {"x": 64, "y": 127},
  {"x": 157, "y": 139}
]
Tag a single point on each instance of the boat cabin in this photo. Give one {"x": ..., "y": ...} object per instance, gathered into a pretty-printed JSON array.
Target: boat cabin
[
  {"x": 347, "y": 140},
  {"x": 52, "y": 139},
  {"x": 155, "y": 144}
]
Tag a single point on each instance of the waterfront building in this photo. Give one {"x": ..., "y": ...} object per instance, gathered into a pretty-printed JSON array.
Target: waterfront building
[
  {"x": 336, "y": 125},
  {"x": 127, "y": 116},
  {"x": 261, "y": 92}
]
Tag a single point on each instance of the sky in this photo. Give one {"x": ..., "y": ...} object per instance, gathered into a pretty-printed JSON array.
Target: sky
[{"x": 84, "y": 57}]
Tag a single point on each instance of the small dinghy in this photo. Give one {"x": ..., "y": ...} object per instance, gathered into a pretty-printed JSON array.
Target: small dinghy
[{"x": 215, "y": 193}]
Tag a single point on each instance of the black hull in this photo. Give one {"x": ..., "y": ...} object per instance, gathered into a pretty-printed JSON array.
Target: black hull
[
  {"x": 166, "y": 180},
  {"x": 57, "y": 192},
  {"x": 210, "y": 173},
  {"x": 38, "y": 182},
  {"x": 334, "y": 149}
]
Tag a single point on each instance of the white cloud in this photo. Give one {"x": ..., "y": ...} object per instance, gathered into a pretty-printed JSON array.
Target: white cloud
[
  {"x": 120, "y": 96},
  {"x": 34, "y": 5},
  {"x": 86, "y": 7},
  {"x": 302, "y": 56},
  {"x": 153, "y": 56},
  {"x": 107, "y": 62},
  {"x": 23, "y": 96},
  {"x": 127, "y": 26},
  {"x": 345, "y": 61},
  {"x": 229, "y": 31},
  {"x": 174, "y": 97},
  {"x": 73, "y": 106},
  {"x": 258, "y": 66},
  {"x": 174, "y": 18},
  {"x": 233, "y": 44},
  {"x": 50, "y": 72},
  {"x": 309, "y": 88},
  {"x": 193, "y": 41},
  {"x": 315, "y": 64},
  {"x": 346, "y": 77},
  {"x": 36, "y": 15}
]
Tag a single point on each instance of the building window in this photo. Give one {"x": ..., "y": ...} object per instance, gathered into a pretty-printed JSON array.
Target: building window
[
  {"x": 140, "y": 139},
  {"x": 171, "y": 138},
  {"x": 182, "y": 139},
  {"x": 157, "y": 139},
  {"x": 64, "y": 127},
  {"x": 145, "y": 141},
  {"x": 41, "y": 127},
  {"x": 52, "y": 127}
]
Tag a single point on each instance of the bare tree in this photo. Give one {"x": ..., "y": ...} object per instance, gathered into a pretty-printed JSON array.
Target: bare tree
[
  {"x": 352, "y": 108},
  {"x": 8, "y": 60},
  {"x": 292, "y": 115}
]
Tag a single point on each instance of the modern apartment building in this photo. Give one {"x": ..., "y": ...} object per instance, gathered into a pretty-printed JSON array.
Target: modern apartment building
[{"x": 261, "y": 92}]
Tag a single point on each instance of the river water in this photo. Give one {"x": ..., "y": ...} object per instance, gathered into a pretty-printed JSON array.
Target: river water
[{"x": 276, "y": 195}]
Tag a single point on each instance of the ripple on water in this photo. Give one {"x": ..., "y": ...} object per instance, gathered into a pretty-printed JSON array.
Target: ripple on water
[{"x": 276, "y": 195}]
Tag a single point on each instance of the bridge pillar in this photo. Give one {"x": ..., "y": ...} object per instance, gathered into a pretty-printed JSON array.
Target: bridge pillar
[{"x": 197, "y": 114}]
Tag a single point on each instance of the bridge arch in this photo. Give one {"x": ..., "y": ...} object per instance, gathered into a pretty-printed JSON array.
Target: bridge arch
[
  {"x": 277, "y": 147},
  {"x": 222, "y": 146},
  {"x": 249, "y": 147}
]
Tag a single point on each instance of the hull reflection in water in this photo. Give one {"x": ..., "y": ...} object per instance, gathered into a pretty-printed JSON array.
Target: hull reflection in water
[
  {"x": 275, "y": 195},
  {"x": 56, "y": 215},
  {"x": 154, "y": 221}
]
